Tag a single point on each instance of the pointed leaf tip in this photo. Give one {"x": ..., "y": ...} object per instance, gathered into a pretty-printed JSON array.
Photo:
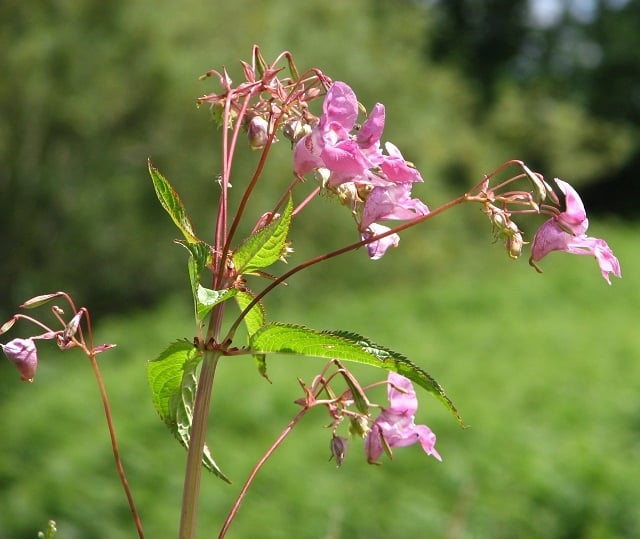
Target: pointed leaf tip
[{"x": 171, "y": 202}]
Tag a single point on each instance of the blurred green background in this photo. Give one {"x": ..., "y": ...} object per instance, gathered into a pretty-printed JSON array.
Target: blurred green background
[{"x": 543, "y": 367}]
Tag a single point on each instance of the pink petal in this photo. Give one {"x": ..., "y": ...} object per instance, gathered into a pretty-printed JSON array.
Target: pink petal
[
  {"x": 369, "y": 135},
  {"x": 391, "y": 202},
  {"x": 574, "y": 217},
  {"x": 402, "y": 396},
  {"x": 549, "y": 237},
  {"x": 340, "y": 105},
  {"x": 396, "y": 168},
  {"x": 378, "y": 248},
  {"x": 428, "y": 441}
]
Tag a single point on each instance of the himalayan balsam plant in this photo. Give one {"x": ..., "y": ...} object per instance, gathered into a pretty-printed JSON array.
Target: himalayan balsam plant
[{"x": 337, "y": 154}]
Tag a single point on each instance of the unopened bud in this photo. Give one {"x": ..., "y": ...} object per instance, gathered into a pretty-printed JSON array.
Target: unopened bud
[
  {"x": 359, "y": 426},
  {"x": 23, "y": 354},
  {"x": 323, "y": 175},
  {"x": 295, "y": 129},
  {"x": 258, "y": 133},
  {"x": 538, "y": 183},
  {"x": 40, "y": 300},
  {"x": 514, "y": 245},
  {"x": 69, "y": 331},
  {"x": 339, "y": 446},
  {"x": 499, "y": 219},
  {"x": 348, "y": 194},
  {"x": 264, "y": 220}
]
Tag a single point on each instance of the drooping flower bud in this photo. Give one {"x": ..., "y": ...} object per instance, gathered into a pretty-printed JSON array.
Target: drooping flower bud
[
  {"x": 514, "y": 245},
  {"x": 339, "y": 447},
  {"x": 295, "y": 129},
  {"x": 359, "y": 426},
  {"x": 538, "y": 183},
  {"x": 23, "y": 354},
  {"x": 258, "y": 132}
]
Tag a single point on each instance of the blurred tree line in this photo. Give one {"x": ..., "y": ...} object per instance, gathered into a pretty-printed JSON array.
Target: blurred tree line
[{"x": 90, "y": 89}]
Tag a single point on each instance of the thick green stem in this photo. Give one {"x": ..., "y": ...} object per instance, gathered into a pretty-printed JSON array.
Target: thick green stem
[{"x": 193, "y": 473}]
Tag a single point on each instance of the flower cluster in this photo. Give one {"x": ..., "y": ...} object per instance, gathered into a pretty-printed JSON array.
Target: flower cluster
[
  {"x": 566, "y": 231},
  {"x": 23, "y": 353},
  {"x": 376, "y": 185}
]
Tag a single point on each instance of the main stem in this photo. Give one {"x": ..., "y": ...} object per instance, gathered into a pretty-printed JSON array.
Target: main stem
[{"x": 193, "y": 473}]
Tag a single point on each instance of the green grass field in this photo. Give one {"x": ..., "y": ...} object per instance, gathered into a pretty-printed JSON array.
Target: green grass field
[{"x": 544, "y": 368}]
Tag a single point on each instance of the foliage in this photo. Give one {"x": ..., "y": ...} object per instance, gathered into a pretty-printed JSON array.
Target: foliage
[
  {"x": 553, "y": 427},
  {"x": 342, "y": 147}
]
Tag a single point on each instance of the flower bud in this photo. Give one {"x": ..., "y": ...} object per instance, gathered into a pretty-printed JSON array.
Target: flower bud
[
  {"x": 258, "y": 133},
  {"x": 64, "y": 340},
  {"x": 339, "y": 447},
  {"x": 264, "y": 220},
  {"x": 514, "y": 245},
  {"x": 23, "y": 354},
  {"x": 359, "y": 426},
  {"x": 295, "y": 129},
  {"x": 539, "y": 185},
  {"x": 323, "y": 175}
]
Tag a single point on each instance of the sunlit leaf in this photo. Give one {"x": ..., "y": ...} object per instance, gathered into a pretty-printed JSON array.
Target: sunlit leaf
[
  {"x": 253, "y": 321},
  {"x": 298, "y": 340},
  {"x": 171, "y": 202},
  {"x": 206, "y": 299},
  {"x": 266, "y": 246}
]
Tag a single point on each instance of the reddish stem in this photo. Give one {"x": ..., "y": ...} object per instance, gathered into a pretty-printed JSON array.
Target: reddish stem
[{"x": 256, "y": 469}]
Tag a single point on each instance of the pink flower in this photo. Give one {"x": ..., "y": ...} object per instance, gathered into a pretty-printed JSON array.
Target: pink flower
[
  {"x": 395, "y": 426},
  {"x": 23, "y": 354},
  {"x": 566, "y": 232}
]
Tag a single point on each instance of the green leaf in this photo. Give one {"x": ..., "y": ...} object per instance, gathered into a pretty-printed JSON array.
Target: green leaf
[
  {"x": 200, "y": 258},
  {"x": 172, "y": 204},
  {"x": 253, "y": 321},
  {"x": 345, "y": 346},
  {"x": 266, "y": 246},
  {"x": 206, "y": 299},
  {"x": 173, "y": 382}
]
